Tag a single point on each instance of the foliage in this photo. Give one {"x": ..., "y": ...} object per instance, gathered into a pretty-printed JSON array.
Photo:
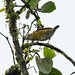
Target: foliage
[
  {"x": 24, "y": 51},
  {"x": 33, "y": 4},
  {"x": 54, "y": 71},
  {"x": 49, "y": 52},
  {"x": 13, "y": 70},
  {"x": 1, "y": 10},
  {"x": 44, "y": 65},
  {"x": 48, "y": 7}
]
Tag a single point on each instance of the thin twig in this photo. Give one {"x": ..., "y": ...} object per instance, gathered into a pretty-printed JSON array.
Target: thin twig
[
  {"x": 10, "y": 46},
  {"x": 19, "y": 5},
  {"x": 32, "y": 67},
  {"x": 23, "y": 1},
  {"x": 30, "y": 27},
  {"x": 23, "y": 36},
  {"x": 72, "y": 73}
]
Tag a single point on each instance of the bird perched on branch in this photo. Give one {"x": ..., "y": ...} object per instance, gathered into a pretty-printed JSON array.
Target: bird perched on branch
[{"x": 42, "y": 34}]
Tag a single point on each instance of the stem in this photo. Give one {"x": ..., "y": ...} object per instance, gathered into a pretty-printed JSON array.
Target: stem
[
  {"x": 72, "y": 73},
  {"x": 10, "y": 46},
  {"x": 27, "y": 6},
  {"x": 52, "y": 47}
]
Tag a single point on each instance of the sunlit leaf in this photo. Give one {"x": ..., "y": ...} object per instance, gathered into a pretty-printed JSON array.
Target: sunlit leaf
[
  {"x": 35, "y": 51},
  {"x": 26, "y": 51},
  {"x": 1, "y": 10},
  {"x": 26, "y": 0},
  {"x": 39, "y": 22},
  {"x": 30, "y": 58},
  {"x": 48, "y": 52}
]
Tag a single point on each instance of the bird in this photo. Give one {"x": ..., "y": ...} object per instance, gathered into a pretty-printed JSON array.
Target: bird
[{"x": 42, "y": 34}]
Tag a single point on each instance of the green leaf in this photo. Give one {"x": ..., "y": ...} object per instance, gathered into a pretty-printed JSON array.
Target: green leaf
[
  {"x": 30, "y": 58},
  {"x": 39, "y": 22},
  {"x": 44, "y": 65},
  {"x": 1, "y": 10},
  {"x": 27, "y": 14},
  {"x": 26, "y": 51},
  {"x": 26, "y": 0},
  {"x": 48, "y": 7},
  {"x": 54, "y": 71},
  {"x": 35, "y": 51},
  {"x": 23, "y": 9},
  {"x": 48, "y": 52},
  {"x": 33, "y": 3}
]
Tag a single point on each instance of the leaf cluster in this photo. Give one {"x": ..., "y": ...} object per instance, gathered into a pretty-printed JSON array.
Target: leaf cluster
[{"x": 45, "y": 65}]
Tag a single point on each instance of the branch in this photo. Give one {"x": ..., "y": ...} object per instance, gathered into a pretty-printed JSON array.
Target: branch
[
  {"x": 14, "y": 33},
  {"x": 10, "y": 46},
  {"x": 27, "y": 6},
  {"x": 52, "y": 47},
  {"x": 30, "y": 27},
  {"x": 72, "y": 73},
  {"x": 23, "y": 1}
]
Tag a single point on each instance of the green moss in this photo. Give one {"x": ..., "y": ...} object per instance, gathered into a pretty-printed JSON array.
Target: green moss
[{"x": 13, "y": 70}]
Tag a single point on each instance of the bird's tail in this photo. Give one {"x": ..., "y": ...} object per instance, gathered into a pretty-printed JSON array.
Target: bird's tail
[{"x": 56, "y": 27}]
